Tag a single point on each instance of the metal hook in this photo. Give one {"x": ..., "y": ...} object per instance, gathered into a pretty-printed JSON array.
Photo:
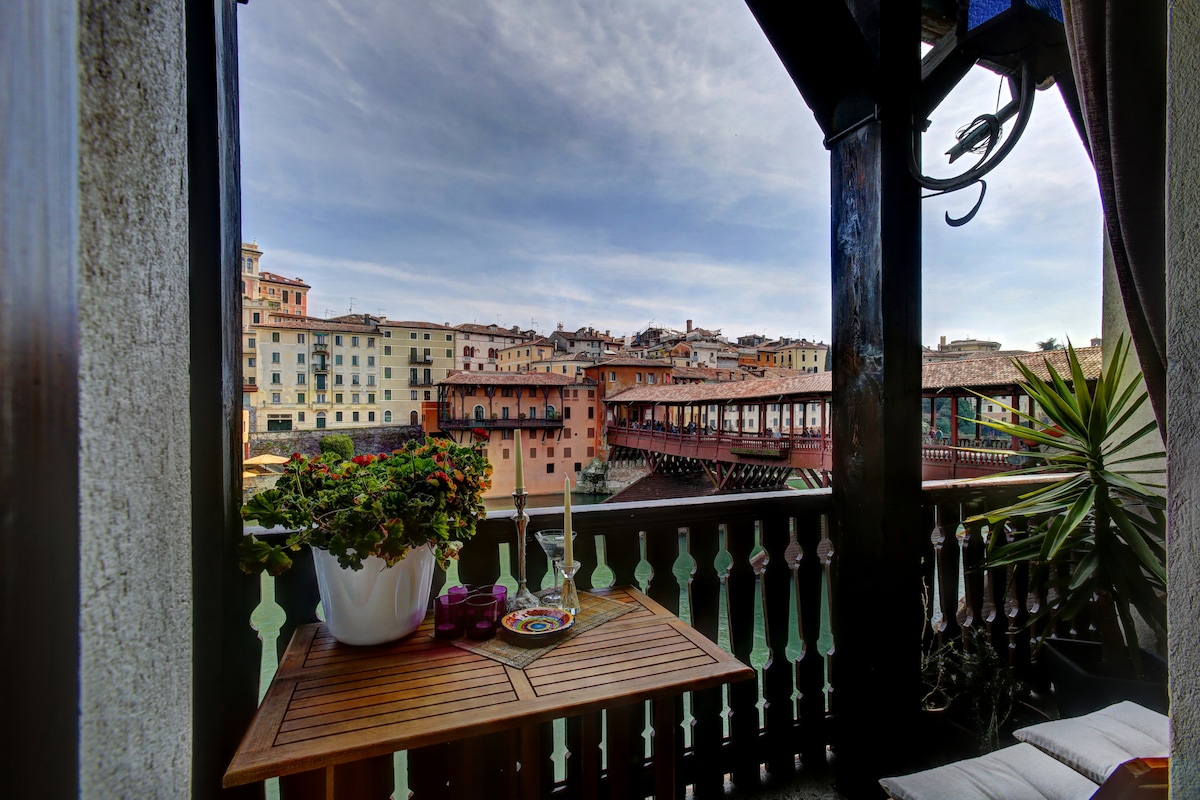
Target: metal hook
[{"x": 958, "y": 223}]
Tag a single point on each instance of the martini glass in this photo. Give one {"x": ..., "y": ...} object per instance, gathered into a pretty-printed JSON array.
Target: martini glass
[{"x": 553, "y": 542}]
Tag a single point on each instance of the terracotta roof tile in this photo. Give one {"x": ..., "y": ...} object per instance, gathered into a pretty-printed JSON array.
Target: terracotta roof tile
[
  {"x": 271, "y": 277},
  {"x": 468, "y": 378},
  {"x": 977, "y": 373}
]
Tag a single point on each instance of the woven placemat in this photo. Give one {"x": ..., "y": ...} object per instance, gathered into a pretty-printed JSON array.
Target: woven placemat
[{"x": 593, "y": 611}]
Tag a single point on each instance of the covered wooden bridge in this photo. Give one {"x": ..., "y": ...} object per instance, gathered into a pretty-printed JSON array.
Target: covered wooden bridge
[{"x": 757, "y": 434}]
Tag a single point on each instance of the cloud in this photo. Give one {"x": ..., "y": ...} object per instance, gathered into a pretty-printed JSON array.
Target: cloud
[{"x": 608, "y": 164}]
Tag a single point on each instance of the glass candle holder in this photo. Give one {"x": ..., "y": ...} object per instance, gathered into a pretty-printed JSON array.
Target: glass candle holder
[
  {"x": 448, "y": 615},
  {"x": 498, "y": 592},
  {"x": 569, "y": 595},
  {"x": 481, "y": 616}
]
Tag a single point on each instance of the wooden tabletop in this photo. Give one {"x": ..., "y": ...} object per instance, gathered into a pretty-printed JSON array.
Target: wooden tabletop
[{"x": 331, "y": 703}]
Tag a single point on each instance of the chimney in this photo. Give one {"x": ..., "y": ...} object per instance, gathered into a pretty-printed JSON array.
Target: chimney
[
  {"x": 689, "y": 326},
  {"x": 560, "y": 326}
]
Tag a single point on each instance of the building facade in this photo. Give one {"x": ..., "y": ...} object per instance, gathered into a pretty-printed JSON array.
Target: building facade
[
  {"x": 414, "y": 358},
  {"x": 478, "y": 346}
]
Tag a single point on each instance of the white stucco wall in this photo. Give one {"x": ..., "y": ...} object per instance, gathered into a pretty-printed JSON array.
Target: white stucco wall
[
  {"x": 1183, "y": 403},
  {"x": 135, "y": 565}
]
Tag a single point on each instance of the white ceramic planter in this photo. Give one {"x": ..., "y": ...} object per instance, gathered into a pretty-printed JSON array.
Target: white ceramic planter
[{"x": 375, "y": 604}]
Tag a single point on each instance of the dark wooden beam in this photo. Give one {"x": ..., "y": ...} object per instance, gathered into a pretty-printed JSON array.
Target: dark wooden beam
[
  {"x": 876, "y": 232},
  {"x": 39, "y": 397},
  {"x": 227, "y": 653},
  {"x": 821, "y": 46}
]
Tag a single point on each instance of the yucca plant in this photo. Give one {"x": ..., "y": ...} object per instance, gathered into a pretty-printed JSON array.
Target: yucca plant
[{"x": 1100, "y": 529}]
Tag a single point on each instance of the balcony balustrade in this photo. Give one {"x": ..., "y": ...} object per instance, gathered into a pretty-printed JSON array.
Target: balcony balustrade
[
  {"x": 320, "y": 347},
  {"x": 751, "y": 572},
  {"x": 465, "y": 423},
  {"x": 418, "y": 359},
  {"x": 420, "y": 381}
]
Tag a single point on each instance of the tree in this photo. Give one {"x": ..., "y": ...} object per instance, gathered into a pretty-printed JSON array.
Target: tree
[{"x": 1051, "y": 344}]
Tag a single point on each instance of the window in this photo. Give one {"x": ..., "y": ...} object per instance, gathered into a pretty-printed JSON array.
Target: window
[
  {"x": 275, "y": 336},
  {"x": 370, "y": 380},
  {"x": 549, "y": 452},
  {"x": 612, "y": 377},
  {"x": 650, "y": 377},
  {"x": 370, "y": 341},
  {"x": 274, "y": 358},
  {"x": 591, "y": 394},
  {"x": 591, "y": 435},
  {"x": 299, "y": 358},
  {"x": 578, "y": 467},
  {"x": 387, "y": 349},
  {"x": 321, "y": 397},
  {"x": 387, "y": 395},
  {"x": 275, "y": 378},
  {"x": 274, "y": 397},
  {"x": 337, "y": 380},
  {"x": 300, "y": 416},
  {"x": 550, "y": 468},
  {"x": 425, "y": 337},
  {"x": 449, "y": 353},
  {"x": 427, "y": 396},
  {"x": 504, "y": 453},
  {"x": 467, "y": 366},
  {"x": 412, "y": 335},
  {"x": 506, "y": 392},
  {"x": 370, "y": 361},
  {"x": 387, "y": 334},
  {"x": 354, "y": 341},
  {"x": 567, "y": 412},
  {"x": 337, "y": 416},
  {"x": 354, "y": 398},
  {"x": 533, "y": 452},
  {"x": 299, "y": 336},
  {"x": 354, "y": 380},
  {"x": 387, "y": 416},
  {"x": 337, "y": 360},
  {"x": 566, "y": 452},
  {"x": 591, "y": 452},
  {"x": 412, "y": 395},
  {"x": 370, "y": 416},
  {"x": 256, "y": 318},
  {"x": 354, "y": 361},
  {"x": 300, "y": 377},
  {"x": 250, "y": 343},
  {"x": 250, "y": 362},
  {"x": 449, "y": 337},
  {"x": 638, "y": 377},
  {"x": 354, "y": 416},
  {"x": 337, "y": 339},
  {"x": 387, "y": 373},
  {"x": 320, "y": 419},
  {"x": 300, "y": 398},
  {"x": 591, "y": 412},
  {"x": 504, "y": 413},
  {"x": 337, "y": 398}
]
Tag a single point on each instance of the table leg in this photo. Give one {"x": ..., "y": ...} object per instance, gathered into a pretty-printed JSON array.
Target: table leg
[
  {"x": 531, "y": 761},
  {"x": 664, "y": 748},
  {"x": 368, "y": 779}
]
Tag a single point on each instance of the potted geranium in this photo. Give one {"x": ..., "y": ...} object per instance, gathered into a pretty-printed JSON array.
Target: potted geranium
[{"x": 376, "y": 525}]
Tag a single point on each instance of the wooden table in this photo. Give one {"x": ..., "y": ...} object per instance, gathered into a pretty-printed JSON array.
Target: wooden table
[{"x": 334, "y": 714}]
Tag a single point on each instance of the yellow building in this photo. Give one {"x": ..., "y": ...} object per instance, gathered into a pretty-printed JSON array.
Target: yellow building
[
  {"x": 415, "y": 357},
  {"x": 314, "y": 374},
  {"x": 802, "y": 355},
  {"x": 518, "y": 357}
]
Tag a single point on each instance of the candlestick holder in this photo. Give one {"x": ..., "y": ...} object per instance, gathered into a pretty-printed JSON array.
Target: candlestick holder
[
  {"x": 523, "y": 598},
  {"x": 569, "y": 595}
]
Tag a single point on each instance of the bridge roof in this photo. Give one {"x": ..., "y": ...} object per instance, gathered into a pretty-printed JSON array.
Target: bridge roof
[{"x": 980, "y": 374}]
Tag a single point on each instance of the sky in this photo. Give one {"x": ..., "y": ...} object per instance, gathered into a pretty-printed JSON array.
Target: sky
[{"x": 614, "y": 164}]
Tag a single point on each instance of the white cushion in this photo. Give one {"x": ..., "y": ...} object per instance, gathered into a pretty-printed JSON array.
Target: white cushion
[
  {"x": 1097, "y": 743},
  {"x": 1020, "y": 772}
]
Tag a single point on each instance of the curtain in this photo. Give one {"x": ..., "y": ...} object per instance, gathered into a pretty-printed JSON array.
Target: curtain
[{"x": 1118, "y": 54}]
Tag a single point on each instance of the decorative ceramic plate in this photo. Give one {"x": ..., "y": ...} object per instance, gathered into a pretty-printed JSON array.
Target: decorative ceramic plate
[{"x": 536, "y": 626}]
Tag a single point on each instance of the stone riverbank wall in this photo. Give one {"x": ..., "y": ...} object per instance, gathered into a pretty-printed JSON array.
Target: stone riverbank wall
[{"x": 375, "y": 439}]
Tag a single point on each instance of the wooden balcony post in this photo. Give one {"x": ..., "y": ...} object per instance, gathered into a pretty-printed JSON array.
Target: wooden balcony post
[{"x": 876, "y": 232}]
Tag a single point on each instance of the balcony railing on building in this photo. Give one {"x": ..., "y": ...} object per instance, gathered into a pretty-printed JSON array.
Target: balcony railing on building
[
  {"x": 751, "y": 572},
  {"x": 414, "y": 358},
  {"x": 452, "y": 423}
]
